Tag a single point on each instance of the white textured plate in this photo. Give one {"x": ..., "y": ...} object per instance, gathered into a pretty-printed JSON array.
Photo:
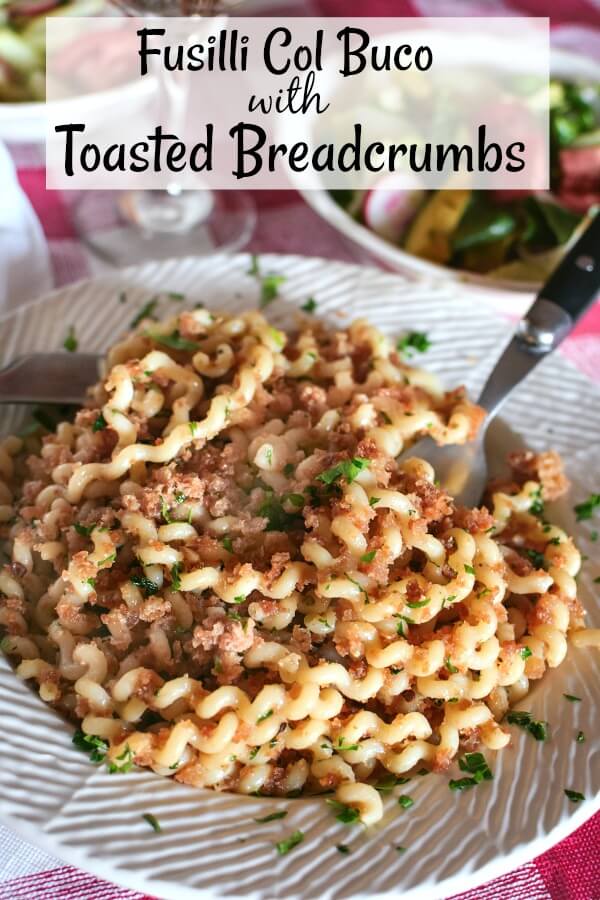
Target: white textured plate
[{"x": 210, "y": 845}]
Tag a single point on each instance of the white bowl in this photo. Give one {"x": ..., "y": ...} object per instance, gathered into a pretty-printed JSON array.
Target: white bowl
[{"x": 563, "y": 65}]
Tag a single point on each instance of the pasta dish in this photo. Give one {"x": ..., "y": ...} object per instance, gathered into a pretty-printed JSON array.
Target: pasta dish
[{"x": 227, "y": 570}]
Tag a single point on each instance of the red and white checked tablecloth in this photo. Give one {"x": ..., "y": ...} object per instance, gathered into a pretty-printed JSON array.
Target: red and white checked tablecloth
[{"x": 569, "y": 871}]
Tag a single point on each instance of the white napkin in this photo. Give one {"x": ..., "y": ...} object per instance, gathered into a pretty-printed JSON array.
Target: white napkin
[{"x": 25, "y": 270}]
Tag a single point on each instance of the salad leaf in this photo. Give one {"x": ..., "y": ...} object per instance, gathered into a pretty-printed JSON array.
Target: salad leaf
[
  {"x": 482, "y": 223},
  {"x": 561, "y": 221}
]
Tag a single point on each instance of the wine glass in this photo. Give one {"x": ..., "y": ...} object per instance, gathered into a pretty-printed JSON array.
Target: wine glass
[{"x": 147, "y": 224}]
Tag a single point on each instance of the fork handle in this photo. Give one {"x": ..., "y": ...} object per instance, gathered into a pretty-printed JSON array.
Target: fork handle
[{"x": 568, "y": 292}]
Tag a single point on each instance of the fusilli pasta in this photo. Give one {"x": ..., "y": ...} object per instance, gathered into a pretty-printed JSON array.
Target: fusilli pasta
[{"x": 222, "y": 570}]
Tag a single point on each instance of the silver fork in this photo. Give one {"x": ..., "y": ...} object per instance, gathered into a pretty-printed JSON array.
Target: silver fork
[
  {"x": 49, "y": 378},
  {"x": 463, "y": 469}
]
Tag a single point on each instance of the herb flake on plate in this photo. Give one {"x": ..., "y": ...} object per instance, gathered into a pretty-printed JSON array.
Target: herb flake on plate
[
  {"x": 413, "y": 342},
  {"x": 95, "y": 746},
  {"x": 289, "y": 843},
  {"x": 537, "y": 729},
  {"x": 152, "y": 821},
  {"x": 348, "y": 815},
  {"x": 585, "y": 510},
  {"x": 70, "y": 343},
  {"x": 272, "y": 817}
]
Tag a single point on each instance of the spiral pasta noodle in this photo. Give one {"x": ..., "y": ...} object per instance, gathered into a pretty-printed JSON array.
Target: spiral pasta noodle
[{"x": 222, "y": 570}]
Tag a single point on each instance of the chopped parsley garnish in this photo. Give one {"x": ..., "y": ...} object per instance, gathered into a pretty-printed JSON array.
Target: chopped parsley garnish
[
  {"x": 272, "y": 817},
  {"x": 164, "y": 510},
  {"x": 345, "y": 747},
  {"x": 586, "y": 510},
  {"x": 537, "y": 505},
  {"x": 348, "y": 469},
  {"x": 279, "y": 341},
  {"x": 348, "y": 815},
  {"x": 525, "y": 652},
  {"x": 418, "y": 604},
  {"x": 374, "y": 500},
  {"x": 400, "y": 849},
  {"x": 152, "y": 821},
  {"x": 264, "y": 716},
  {"x": 278, "y": 519},
  {"x": 572, "y": 698},
  {"x": 368, "y": 557},
  {"x": 193, "y": 426},
  {"x": 451, "y": 668},
  {"x": 461, "y": 784},
  {"x": 239, "y": 599},
  {"x": 83, "y": 530},
  {"x": 288, "y": 470},
  {"x": 342, "y": 848},
  {"x": 99, "y": 424},
  {"x": 269, "y": 288},
  {"x": 288, "y": 844},
  {"x": 126, "y": 762},
  {"x": 537, "y": 729},
  {"x": 574, "y": 796},
  {"x": 414, "y": 341},
  {"x": 237, "y": 618},
  {"x": 359, "y": 586},
  {"x": 400, "y": 629},
  {"x": 227, "y": 544},
  {"x": 144, "y": 584},
  {"x": 469, "y": 569},
  {"x": 175, "y": 576},
  {"x": 405, "y": 801},
  {"x": 92, "y": 744},
  {"x": 71, "y": 343},
  {"x": 535, "y": 557},
  {"x": 254, "y": 266},
  {"x": 389, "y": 782},
  {"x": 108, "y": 559},
  {"x": 309, "y": 306},
  {"x": 175, "y": 295},
  {"x": 580, "y": 737},
  {"x": 146, "y": 312},
  {"x": 294, "y": 499},
  {"x": 173, "y": 340},
  {"x": 476, "y": 765}
]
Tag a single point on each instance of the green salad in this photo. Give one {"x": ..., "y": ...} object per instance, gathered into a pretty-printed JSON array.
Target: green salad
[
  {"x": 23, "y": 43},
  {"x": 517, "y": 235}
]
